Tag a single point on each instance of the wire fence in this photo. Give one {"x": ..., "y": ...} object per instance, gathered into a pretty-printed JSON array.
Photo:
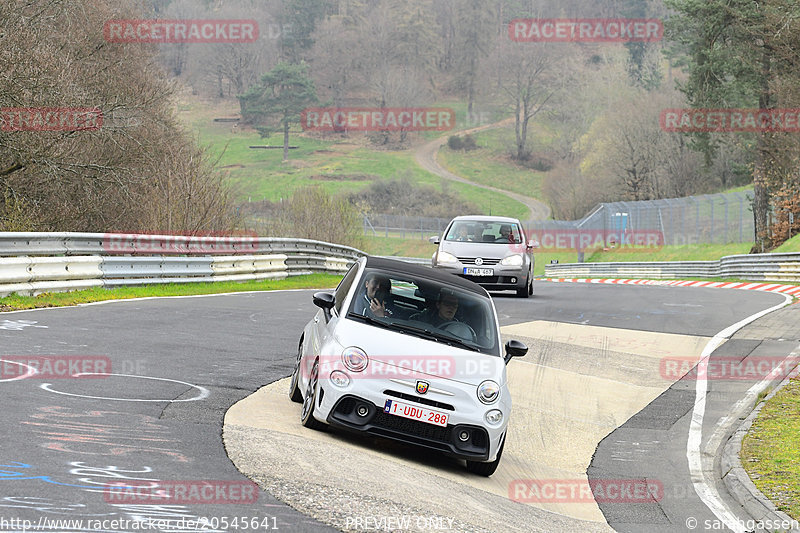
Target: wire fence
[
  {"x": 712, "y": 218},
  {"x": 404, "y": 227}
]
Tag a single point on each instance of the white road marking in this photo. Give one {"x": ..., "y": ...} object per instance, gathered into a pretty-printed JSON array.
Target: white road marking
[
  {"x": 700, "y": 470},
  {"x": 19, "y": 325},
  {"x": 203, "y": 391}
]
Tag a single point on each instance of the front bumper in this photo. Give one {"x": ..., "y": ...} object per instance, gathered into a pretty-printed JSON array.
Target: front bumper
[
  {"x": 504, "y": 278},
  {"x": 442, "y": 439},
  {"x": 337, "y": 407}
]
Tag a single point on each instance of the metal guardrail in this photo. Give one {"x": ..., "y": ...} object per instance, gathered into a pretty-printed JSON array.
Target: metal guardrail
[
  {"x": 756, "y": 267},
  {"x": 48, "y": 244},
  {"x": 32, "y": 263}
]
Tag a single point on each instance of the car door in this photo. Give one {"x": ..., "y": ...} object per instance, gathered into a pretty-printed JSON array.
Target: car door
[{"x": 323, "y": 329}]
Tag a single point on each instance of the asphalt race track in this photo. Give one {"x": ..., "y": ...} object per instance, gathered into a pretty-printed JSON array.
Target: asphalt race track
[{"x": 590, "y": 396}]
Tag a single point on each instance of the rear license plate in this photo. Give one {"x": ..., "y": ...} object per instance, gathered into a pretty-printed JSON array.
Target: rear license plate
[
  {"x": 478, "y": 271},
  {"x": 415, "y": 412}
]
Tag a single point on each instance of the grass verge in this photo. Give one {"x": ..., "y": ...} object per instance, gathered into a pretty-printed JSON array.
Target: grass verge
[
  {"x": 15, "y": 302},
  {"x": 771, "y": 450}
]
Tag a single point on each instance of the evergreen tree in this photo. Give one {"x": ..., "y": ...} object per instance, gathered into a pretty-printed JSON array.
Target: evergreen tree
[{"x": 282, "y": 94}]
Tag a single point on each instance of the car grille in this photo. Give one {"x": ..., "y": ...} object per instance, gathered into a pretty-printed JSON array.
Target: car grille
[
  {"x": 482, "y": 280},
  {"x": 411, "y": 427},
  {"x": 382, "y": 424},
  {"x": 471, "y": 261},
  {"x": 417, "y": 399}
]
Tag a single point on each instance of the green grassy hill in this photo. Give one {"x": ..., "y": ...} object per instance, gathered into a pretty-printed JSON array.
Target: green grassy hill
[
  {"x": 792, "y": 245},
  {"x": 490, "y": 164},
  {"x": 339, "y": 166}
]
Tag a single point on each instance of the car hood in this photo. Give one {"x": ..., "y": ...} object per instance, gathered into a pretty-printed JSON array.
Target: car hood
[
  {"x": 481, "y": 249},
  {"x": 401, "y": 355}
]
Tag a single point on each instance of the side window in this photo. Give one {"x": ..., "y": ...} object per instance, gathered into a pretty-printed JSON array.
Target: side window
[{"x": 344, "y": 287}]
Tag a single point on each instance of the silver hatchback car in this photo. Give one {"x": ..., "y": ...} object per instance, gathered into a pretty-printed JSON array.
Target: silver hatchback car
[{"x": 491, "y": 251}]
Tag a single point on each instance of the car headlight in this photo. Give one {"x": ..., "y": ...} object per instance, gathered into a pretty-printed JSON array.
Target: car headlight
[
  {"x": 488, "y": 391},
  {"x": 494, "y": 417},
  {"x": 512, "y": 260},
  {"x": 340, "y": 379},
  {"x": 445, "y": 257},
  {"x": 354, "y": 359}
]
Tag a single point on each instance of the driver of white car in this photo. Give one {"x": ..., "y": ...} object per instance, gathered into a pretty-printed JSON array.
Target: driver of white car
[{"x": 444, "y": 310}]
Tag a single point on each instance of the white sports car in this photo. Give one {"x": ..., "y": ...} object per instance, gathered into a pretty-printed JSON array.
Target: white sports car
[{"x": 411, "y": 354}]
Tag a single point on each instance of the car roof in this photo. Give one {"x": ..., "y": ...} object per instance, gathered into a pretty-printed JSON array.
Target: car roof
[
  {"x": 486, "y": 218},
  {"x": 432, "y": 274}
]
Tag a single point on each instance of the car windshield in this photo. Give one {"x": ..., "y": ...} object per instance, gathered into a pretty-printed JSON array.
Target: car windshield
[
  {"x": 487, "y": 232},
  {"x": 426, "y": 308}
]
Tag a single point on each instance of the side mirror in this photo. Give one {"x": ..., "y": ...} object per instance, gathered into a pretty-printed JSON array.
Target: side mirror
[
  {"x": 434, "y": 239},
  {"x": 325, "y": 301},
  {"x": 533, "y": 244},
  {"x": 514, "y": 348}
]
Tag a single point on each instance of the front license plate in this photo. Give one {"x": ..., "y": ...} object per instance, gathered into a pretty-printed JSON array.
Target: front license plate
[
  {"x": 415, "y": 412},
  {"x": 478, "y": 271}
]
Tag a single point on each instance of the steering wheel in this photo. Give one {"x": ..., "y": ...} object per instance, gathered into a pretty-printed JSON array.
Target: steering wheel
[{"x": 460, "y": 329}]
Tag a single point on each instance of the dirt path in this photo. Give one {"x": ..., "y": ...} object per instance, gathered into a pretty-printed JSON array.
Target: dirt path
[{"x": 425, "y": 156}]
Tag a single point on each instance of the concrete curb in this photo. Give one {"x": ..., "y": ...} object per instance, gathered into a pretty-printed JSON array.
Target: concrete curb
[{"x": 738, "y": 482}]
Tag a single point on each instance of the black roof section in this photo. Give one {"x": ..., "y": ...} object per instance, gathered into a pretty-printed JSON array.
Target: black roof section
[{"x": 441, "y": 276}]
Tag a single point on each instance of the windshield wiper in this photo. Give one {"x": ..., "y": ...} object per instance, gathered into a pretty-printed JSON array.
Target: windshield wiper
[
  {"x": 370, "y": 320},
  {"x": 436, "y": 336},
  {"x": 460, "y": 342},
  {"x": 420, "y": 332}
]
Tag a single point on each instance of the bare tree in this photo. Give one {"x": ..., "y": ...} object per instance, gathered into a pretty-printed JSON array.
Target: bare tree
[
  {"x": 226, "y": 70},
  {"x": 529, "y": 77},
  {"x": 104, "y": 178},
  {"x": 337, "y": 60}
]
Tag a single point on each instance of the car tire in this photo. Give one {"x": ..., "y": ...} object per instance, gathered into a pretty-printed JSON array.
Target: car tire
[
  {"x": 486, "y": 469},
  {"x": 527, "y": 290},
  {"x": 310, "y": 400},
  {"x": 294, "y": 390}
]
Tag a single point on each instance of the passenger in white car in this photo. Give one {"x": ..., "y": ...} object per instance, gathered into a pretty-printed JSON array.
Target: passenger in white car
[{"x": 374, "y": 299}]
